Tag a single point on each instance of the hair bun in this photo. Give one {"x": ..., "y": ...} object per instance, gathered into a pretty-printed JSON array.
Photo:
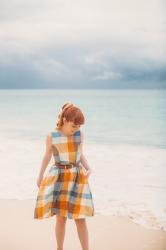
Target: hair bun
[{"x": 67, "y": 105}]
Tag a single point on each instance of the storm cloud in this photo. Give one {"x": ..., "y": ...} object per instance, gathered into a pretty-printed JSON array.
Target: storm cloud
[{"x": 82, "y": 44}]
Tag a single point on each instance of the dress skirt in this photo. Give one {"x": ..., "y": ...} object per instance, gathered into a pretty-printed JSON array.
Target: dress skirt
[{"x": 64, "y": 192}]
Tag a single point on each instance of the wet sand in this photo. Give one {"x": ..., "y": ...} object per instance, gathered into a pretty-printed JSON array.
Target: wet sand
[{"x": 20, "y": 231}]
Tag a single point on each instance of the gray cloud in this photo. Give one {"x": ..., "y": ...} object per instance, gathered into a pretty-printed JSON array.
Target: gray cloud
[{"x": 88, "y": 43}]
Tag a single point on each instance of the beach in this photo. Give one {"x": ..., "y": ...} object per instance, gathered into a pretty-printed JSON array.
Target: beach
[
  {"x": 20, "y": 231},
  {"x": 127, "y": 158},
  {"x": 106, "y": 58}
]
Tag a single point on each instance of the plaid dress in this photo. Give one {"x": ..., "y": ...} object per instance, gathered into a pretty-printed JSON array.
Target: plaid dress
[{"x": 65, "y": 192}]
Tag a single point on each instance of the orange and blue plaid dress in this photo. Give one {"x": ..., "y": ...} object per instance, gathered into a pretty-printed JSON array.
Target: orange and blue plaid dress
[{"x": 65, "y": 192}]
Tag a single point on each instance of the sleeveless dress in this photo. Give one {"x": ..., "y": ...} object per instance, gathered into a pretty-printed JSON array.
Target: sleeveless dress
[{"x": 65, "y": 192}]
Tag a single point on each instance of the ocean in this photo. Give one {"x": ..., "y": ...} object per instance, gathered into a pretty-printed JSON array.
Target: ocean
[{"x": 125, "y": 145}]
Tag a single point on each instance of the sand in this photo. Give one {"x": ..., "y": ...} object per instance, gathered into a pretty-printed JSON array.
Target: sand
[{"x": 19, "y": 231}]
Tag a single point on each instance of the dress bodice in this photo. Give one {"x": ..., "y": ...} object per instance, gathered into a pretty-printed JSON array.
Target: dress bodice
[{"x": 66, "y": 149}]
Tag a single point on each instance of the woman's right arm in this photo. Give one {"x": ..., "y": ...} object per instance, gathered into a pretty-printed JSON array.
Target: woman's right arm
[{"x": 46, "y": 159}]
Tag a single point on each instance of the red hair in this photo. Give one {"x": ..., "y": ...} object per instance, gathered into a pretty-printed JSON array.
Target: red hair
[{"x": 72, "y": 113}]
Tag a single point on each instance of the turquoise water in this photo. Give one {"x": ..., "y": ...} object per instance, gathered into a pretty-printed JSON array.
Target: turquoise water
[
  {"x": 112, "y": 116},
  {"x": 125, "y": 145}
]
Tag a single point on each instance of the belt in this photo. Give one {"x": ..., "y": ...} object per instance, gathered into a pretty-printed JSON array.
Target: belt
[{"x": 65, "y": 166}]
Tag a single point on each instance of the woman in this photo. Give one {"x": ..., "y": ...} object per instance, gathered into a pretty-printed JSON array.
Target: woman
[{"x": 65, "y": 191}]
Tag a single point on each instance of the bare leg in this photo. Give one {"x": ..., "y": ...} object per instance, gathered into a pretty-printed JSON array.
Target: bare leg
[
  {"x": 60, "y": 231},
  {"x": 82, "y": 233}
]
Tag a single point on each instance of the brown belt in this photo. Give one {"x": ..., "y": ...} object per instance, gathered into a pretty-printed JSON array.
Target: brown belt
[{"x": 59, "y": 165}]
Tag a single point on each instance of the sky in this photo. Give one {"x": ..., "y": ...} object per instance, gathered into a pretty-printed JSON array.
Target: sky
[{"x": 82, "y": 44}]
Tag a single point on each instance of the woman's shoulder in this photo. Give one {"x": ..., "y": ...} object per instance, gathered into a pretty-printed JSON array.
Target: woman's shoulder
[
  {"x": 48, "y": 139},
  {"x": 51, "y": 136},
  {"x": 54, "y": 133}
]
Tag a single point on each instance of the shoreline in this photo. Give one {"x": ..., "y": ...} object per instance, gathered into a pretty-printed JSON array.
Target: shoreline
[{"x": 20, "y": 231}]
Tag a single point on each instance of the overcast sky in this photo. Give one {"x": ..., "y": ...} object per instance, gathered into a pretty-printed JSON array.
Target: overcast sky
[{"x": 80, "y": 44}]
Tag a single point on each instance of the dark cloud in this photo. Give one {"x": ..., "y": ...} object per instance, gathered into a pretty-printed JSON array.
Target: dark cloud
[
  {"x": 97, "y": 45},
  {"x": 71, "y": 72}
]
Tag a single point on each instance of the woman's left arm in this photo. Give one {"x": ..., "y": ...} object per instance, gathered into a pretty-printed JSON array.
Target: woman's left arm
[{"x": 83, "y": 160}]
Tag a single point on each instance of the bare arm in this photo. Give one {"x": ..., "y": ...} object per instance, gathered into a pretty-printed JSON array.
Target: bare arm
[
  {"x": 82, "y": 158},
  {"x": 85, "y": 162},
  {"x": 47, "y": 156}
]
